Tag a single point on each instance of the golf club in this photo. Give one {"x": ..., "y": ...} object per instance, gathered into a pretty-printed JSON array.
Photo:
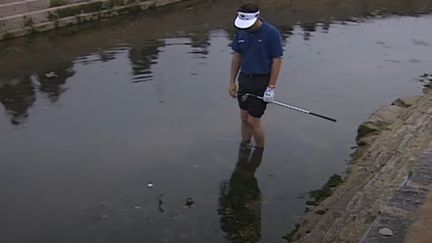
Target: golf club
[{"x": 245, "y": 96}]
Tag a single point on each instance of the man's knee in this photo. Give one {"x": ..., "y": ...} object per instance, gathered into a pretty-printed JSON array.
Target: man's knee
[
  {"x": 254, "y": 121},
  {"x": 244, "y": 116},
  {"x": 250, "y": 120}
]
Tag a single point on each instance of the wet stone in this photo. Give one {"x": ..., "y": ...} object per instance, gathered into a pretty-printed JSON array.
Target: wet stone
[
  {"x": 408, "y": 199},
  {"x": 321, "y": 211},
  {"x": 386, "y": 232},
  {"x": 396, "y": 224}
]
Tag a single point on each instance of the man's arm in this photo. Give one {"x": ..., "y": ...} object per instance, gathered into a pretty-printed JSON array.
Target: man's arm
[
  {"x": 235, "y": 68},
  {"x": 275, "y": 70}
]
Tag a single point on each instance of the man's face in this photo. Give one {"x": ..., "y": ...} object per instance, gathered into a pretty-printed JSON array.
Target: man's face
[{"x": 253, "y": 27}]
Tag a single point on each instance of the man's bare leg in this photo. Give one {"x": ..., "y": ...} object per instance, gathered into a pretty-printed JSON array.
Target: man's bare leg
[
  {"x": 257, "y": 131},
  {"x": 246, "y": 129}
]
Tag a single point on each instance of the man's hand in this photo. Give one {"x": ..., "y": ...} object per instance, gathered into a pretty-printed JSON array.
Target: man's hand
[
  {"x": 233, "y": 89},
  {"x": 268, "y": 95}
]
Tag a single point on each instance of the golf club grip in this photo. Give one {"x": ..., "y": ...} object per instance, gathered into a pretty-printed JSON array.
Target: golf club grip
[{"x": 324, "y": 117}]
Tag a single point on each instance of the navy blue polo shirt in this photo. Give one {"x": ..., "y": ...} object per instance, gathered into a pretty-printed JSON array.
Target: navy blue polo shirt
[{"x": 258, "y": 48}]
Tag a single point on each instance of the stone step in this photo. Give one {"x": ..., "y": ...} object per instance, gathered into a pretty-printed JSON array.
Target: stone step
[
  {"x": 62, "y": 16},
  {"x": 9, "y": 1},
  {"x": 14, "y": 8},
  {"x": 28, "y": 19},
  {"x": 55, "y": 2},
  {"x": 26, "y": 6}
]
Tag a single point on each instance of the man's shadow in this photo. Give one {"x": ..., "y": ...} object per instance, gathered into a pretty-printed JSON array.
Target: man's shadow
[{"x": 240, "y": 199}]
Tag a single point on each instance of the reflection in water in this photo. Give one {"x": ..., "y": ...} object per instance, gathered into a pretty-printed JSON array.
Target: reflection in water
[
  {"x": 100, "y": 56},
  {"x": 308, "y": 28},
  {"x": 286, "y": 31},
  {"x": 142, "y": 57},
  {"x": 54, "y": 86},
  {"x": 200, "y": 44},
  {"x": 17, "y": 97},
  {"x": 111, "y": 163},
  {"x": 240, "y": 199},
  {"x": 107, "y": 55},
  {"x": 325, "y": 25}
]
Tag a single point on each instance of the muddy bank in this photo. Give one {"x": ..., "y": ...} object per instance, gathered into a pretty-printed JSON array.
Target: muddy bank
[{"x": 387, "y": 181}]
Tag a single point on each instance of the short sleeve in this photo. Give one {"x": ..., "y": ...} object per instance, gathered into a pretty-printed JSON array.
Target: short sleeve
[{"x": 276, "y": 49}]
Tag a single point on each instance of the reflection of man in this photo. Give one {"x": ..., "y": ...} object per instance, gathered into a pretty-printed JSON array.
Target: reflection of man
[
  {"x": 240, "y": 199},
  {"x": 258, "y": 56}
]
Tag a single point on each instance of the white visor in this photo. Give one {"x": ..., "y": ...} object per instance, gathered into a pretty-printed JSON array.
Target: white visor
[{"x": 245, "y": 20}]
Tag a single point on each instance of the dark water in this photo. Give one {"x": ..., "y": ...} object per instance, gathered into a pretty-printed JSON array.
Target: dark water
[{"x": 89, "y": 119}]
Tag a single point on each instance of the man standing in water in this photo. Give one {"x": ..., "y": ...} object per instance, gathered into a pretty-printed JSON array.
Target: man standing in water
[{"x": 256, "y": 62}]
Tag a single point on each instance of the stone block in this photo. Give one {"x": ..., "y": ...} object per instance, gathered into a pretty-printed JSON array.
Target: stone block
[
  {"x": 9, "y": 1},
  {"x": 74, "y": 12},
  {"x": 27, "y": 6},
  {"x": 23, "y": 21}
]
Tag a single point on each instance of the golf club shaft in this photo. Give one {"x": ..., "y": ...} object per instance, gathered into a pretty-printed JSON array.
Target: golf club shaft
[{"x": 295, "y": 108}]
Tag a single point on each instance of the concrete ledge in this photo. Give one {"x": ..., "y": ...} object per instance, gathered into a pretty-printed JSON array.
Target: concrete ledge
[
  {"x": 9, "y": 1},
  {"x": 26, "y": 6},
  {"x": 23, "y": 7},
  {"x": 71, "y": 14}
]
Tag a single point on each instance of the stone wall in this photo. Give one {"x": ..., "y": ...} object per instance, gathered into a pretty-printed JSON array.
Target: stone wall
[
  {"x": 22, "y": 17},
  {"x": 389, "y": 178}
]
